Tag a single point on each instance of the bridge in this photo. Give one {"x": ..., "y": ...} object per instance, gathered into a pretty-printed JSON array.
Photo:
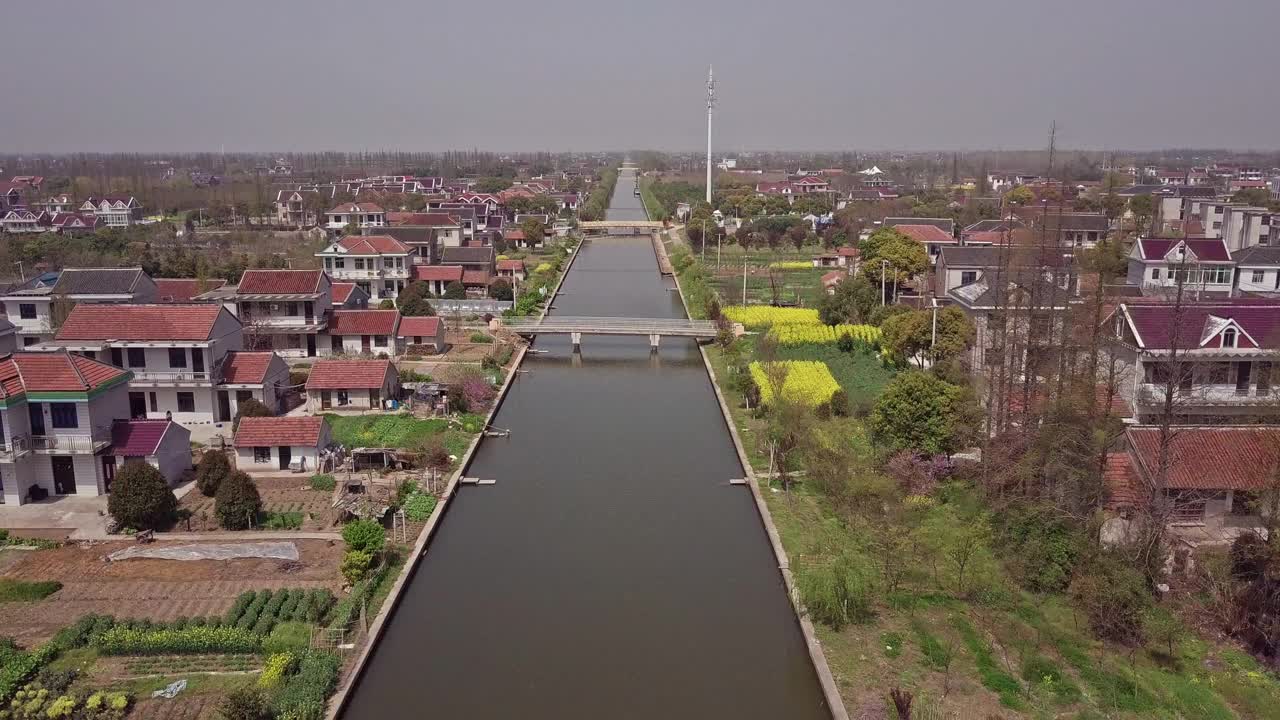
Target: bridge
[
  {"x": 576, "y": 327},
  {"x": 620, "y": 227}
]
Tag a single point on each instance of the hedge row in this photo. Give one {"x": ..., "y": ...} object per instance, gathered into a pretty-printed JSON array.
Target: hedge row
[
  {"x": 260, "y": 610},
  {"x": 122, "y": 640}
]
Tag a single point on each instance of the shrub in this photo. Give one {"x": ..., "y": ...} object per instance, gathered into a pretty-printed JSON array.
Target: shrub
[
  {"x": 276, "y": 668},
  {"x": 242, "y": 603},
  {"x": 355, "y": 565},
  {"x": 237, "y": 503},
  {"x": 212, "y": 470},
  {"x": 1043, "y": 549},
  {"x": 125, "y": 640},
  {"x": 303, "y": 695},
  {"x": 140, "y": 498},
  {"x": 840, "y": 403},
  {"x": 288, "y": 637},
  {"x": 245, "y": 704},
  {"x": 435, "y": 455},
  {"x": 323, "y": 482},
  {"x": 501, "y": 290},
  {"x": 1114, "y": 596},
  {"x": 54, "y": 680},
  {"x": 364, "y": 536},
  {"x": 1250, "y": 556},
  {"x": 250, "y": 408},
  {"x": 837, "y": 594},
  {"x": 482, "y": 338},
  {"x": 455, "y": 291}
]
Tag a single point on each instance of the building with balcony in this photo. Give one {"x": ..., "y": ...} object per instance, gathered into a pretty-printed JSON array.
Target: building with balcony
[
  {"x": 186, "y": 360},
  {"x": 114, "y": 210},
  {"x": 56, "y": 416},
  {"x": 1217, "y": 359},
  {"x": 361, "y": 215},
  {"x": 295, "y": 207},
  {"x": 1201, "y": 266},
  {"x": 380, "y": 265},
  {"x": 37, "y": 306},
  {"x": 284, "y": 310}
]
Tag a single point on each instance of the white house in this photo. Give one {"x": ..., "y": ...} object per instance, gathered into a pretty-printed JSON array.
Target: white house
[
  {"x": 1257, "y": 270},
  {"x": 162, "y": 444},
  {"x": 284, "y": 310},
  {"x": 1201, "y": 265},
  {"x": 351, "y": 385},
  {"x": 378, "y": 264},
  {"x": 359, "y": 214},
  {"x": 271, "y": 444},
  {"x": 114, "y": 210},
  {"x": 32, "y": 306}
]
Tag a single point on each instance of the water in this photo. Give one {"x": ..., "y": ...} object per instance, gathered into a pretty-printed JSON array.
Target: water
[{"x": 611, "y": 572}]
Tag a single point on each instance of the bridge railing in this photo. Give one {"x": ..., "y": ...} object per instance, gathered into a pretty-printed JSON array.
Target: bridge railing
[{"x": 612, "y": 325}]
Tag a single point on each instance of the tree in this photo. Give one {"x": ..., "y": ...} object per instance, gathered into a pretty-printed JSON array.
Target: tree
[
  {"x": 364, "y": 536},
  {"x": 501, "y": 290},
  {"x": 212, "y": 470},
  {"x": 491, "y": 185},
  {"x": 1020, "y": 195},
  {"x": 852, "y": 302},
  {"x": 455, "y": 291},
  {"x": 140, "y": 497},
  {"x": 1113, "y": 206},
  {"x": 905, "y": 257},
  {"x": 250, "y": 408},
  {"x": 237, "y": 502},
  {"x": 534, "y": 230},
  {"x": 910, "y": 335},
  {"x": 916, "y": 412},
  {"x": 413, "y": 300},
  {"x": 1143, "y": 208},
  {"x": 387, "y": 304},
  {"x": 1260, "y": 197}
]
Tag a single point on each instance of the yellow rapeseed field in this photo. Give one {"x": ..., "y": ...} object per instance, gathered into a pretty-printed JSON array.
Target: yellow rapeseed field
[
  {"x": 807, "y": 381},
  {"x": 758, "y": 316},
  {"x": 791, "y": 335}
]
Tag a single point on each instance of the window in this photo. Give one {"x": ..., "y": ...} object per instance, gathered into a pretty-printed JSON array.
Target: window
[
  {"x": 340, "y": 263},
  {"x": 1258, "y": 277},
  {"x": 379, "y": 340},
  {"x": 1217, "y": 373},
  {"x": 29, "y": 341},
  {"x": 1229, "y": 338},
  {"x": 328, "y": 263},
  {"x": 186, "y": 402},
  {"x": 155, "y": 406},
  {"x": 27, "y": 311},
  {"x": 1263, "y": 371},
  {"x": 137, "y": 357},
  {"x": 1155, "y": 273},
  {"x": 968, "y": 276},
  {"x": 177, "y": 357},
  {"x": 64, "y": 415},
  {"x": 262, "y": 455},
  {"x": 359, "y": 263},
  {"x": 293, "y": 309}
]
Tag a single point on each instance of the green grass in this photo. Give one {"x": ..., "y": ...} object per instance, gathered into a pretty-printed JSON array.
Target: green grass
[
  {"x": 323, "y": 482},
  {"x": 862, "y": 375},
  {"x": 936, "y": 656},
  {"x": 22, "y": 591},
  {"x": 402, "y": 431},
  {"x": 994, "y": 678},
  {"x": 891, "y": 644}
]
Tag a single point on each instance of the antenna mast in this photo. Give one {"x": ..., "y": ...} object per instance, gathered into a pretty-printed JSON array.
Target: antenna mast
[{"x": 711, "y": 102}]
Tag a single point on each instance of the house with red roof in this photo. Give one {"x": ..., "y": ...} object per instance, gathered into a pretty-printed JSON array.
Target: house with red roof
[
  {"x": 364, "y": 332},
  {"x": 438, "y": 277},
  {"x": 932, "y": 237},
  {"x": 513, "y": 271},
  {"x": 114, "y": 210},
  {"x": 378, "y": 264},
  {"x": 284, "y": 310},
  {"x": 245, "y": 375},
  {"x": 30, "y": 305},
  {"x": 342, "y": 384},
  {"x": 182, "y": 290},
  {"x": 1213, "y": 481},
  {"x": 347, "y": 296},
  {"x": 360, "y": 214},
  {"x": 1216, "y": 357},
  {"x": 19, "y": 220},
  {"x": 162, "y": 444},
  {"x": 272, "y": 444},
  {"x": 1202, "y": 266},
  {"x": 57, "y": 411},
  {"x": 422, "y": 335}
]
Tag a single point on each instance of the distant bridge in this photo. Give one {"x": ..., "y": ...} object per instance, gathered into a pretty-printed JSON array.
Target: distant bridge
[
  {"x": 576, "y": 327},
  {"x": 620, "y": 227}
]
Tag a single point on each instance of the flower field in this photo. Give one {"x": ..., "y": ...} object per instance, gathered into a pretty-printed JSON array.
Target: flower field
[
  {"x": 807, "y": 381},
  {"x": 758, "y": 316},
  {"x": 792, "y": 335},
  {"x": 791, "y": 265}
]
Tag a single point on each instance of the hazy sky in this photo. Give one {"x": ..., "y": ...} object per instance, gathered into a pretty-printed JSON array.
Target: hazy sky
[{"x": 158, "y": 75}]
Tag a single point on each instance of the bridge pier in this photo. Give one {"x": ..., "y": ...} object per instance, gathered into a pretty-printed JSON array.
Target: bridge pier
[
  {"x": 654, "y": 338},
  {"x": 576, "y": 337}
]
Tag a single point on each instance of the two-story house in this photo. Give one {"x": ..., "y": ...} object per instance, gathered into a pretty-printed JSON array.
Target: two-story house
[
  {"x": 1257, "y": 270},
  {"x": 38, "y": 306},
  {"x": 114, "y": 210},
  {"x": 1201, "y": 266},
  {"x": 958, "y": 266},
  {"x": 293, "y": 207},
  {"x": 1245, "y": 226},
  {"x": 23, "y": 220},
  {"x": 379, "y": 265},
  {"x": 284, "y": 310},
  {"x": 1220, "y": 357},
  {"x": 361, "y": 215},
  {"x": 56, "y": 417},
  {"x": 931, "y": 236}
]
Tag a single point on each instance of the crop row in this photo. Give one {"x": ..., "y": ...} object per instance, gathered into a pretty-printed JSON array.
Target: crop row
[
  {"x": 804, "y": 381},
  {"x": 758, "y": 316},
  {"x": 792, "y": 335}
]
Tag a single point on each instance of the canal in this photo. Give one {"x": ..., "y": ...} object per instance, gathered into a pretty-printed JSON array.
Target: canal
[{"x": 612, "y": 571}]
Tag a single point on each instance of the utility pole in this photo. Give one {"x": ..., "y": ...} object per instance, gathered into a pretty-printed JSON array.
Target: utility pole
[
  {"x": 744, "y": 279},
  {"x": 883, "y": 300},
  {"x": 711, "y": 102}
]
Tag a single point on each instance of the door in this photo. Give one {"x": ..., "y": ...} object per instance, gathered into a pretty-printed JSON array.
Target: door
[
  {"x": 36, "y": 412},
  {"x": 224, "y": 406},
  {"x": 285, "y": 457},
  {"x": 326, "y": 400},
  {"x": 342, "y": 398},
  {"x": 138, "y": 405},
  {"x": 197, "y": 362},
  {"x": 64, "y": 474},
  {"x": 364, "y": 343},
  {"x": 108, "y": 471},
  {"x": 311, "y": 346}
]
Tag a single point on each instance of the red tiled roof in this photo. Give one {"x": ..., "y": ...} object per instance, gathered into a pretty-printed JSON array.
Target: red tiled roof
[
  {"x": 514, "y": 265},
  {"x": 1121, "y": 482},
  {"x": 275, "y": 431},
  {"x": 342, "y": 291},
  {"x": 985, "y": 236},
  {"x": 280, "y": 282},
  {"x": 91, "y": 321},
  {"x": 925, "y": 233},
  {"x": 847, "y": 251},
  {"x": 372, "y": 245},
  {"x": 446, "y": 273},
  {"x": 476, "y": 277},
  {"x": 138, "y": 438},
  {"x": 421, "y": 218},
  {"x": 516, "y": 234},
  {"x": 1213, "y": 250},
  {"x": 344, "y": 374},
  {"x": 53, "y": 372},
  {"x": 364, "y": 322},
  {"x": 1155, "y": 322},
  {"x": 246, "y": 368},
  {"x": 181, "y": 290},
  {"x": 1216, "y": 458},
  {"x": 834, "y": 277},
  {"x": 419, "y": 326}
]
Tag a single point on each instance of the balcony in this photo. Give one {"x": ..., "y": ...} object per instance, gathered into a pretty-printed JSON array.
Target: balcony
[
  {"x": 353, "y": 274},
  {"x": 70, "y": 444},
  {"x": 297, "y": 323},
  {"x": 171, "y": 377},
  {"x": 1222, "y": 394},
  {"x": 15, "y": 447}
]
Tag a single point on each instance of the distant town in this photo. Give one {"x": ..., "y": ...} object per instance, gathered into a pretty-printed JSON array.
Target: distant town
[{"x": 1008, "y": 423}]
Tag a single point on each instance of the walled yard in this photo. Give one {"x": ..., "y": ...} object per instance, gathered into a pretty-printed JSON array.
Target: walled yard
[{"x": 161, "y": 590}]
